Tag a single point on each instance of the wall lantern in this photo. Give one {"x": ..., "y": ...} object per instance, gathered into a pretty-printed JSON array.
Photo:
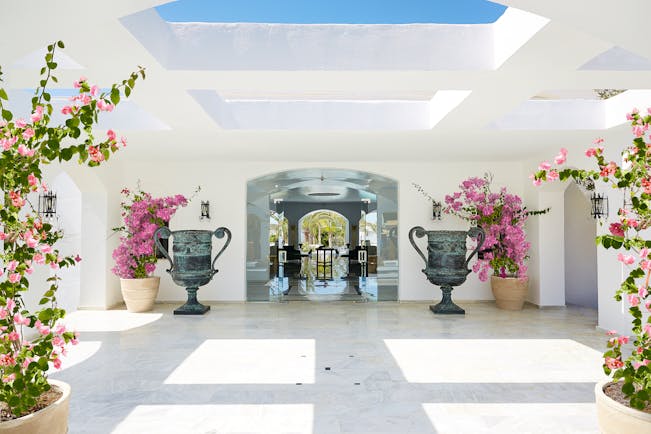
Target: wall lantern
[
  {"x": 205, "y": 210},
  {"x": 437, "y": 207},
  {"x": 47, "y": 205},
  {"x": 599, "y": 205}
]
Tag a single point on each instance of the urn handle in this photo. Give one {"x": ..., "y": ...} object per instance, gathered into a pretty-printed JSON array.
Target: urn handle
[
  {"x": 163, "y": 232},
  {"x": 478, "y": 232},
  {"x": 420, "y": 232},
  {"x": 219, "y": 233}
]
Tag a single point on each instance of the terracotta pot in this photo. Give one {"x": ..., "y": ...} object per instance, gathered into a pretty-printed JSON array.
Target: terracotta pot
[
  {"x": 615, "y": 418},
  {"x": 53, "y": 419},
  {"x": 509, "y": 292},
  {"x": 140, "y": 294}
]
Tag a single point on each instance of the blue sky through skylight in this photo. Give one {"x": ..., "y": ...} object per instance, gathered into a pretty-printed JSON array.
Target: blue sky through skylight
[{"x": 333, "y": 11}]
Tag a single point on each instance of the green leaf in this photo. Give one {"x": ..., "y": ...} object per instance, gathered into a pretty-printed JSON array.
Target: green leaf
[
  {"x": 115, "y": 95},
  {"x": 44, "y": 300},
  {"x": 6, "y": 115},
  {"x": 66, "y": 154},
  {"x": 628, "y": 389},
  {"x": 3, "y": 94},
  {"x": 60, "y": 44},
  {"x": 127, "y": 91}
]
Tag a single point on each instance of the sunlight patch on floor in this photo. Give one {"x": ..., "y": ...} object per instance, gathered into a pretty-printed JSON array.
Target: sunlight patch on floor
[
  {"x": 503, "y": 418},
  {"x": 78, "y": 353},
  {"x": 178, "y": 419},
  {"x": 248, "y": 361},
  {"x": 495, "y": 360},
  {"x": 108, "y": 320}
]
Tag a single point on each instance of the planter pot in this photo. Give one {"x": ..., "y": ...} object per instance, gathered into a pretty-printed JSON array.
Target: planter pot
[
  {"x": 53, "y": 419},
  {"x": 615, "y": 418},
  {"x": 509, "y": 292},
  {"x": 140, "y": 294}
]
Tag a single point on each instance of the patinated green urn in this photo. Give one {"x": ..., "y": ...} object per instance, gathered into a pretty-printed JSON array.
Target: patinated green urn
[
  {"x": 191, "y": 266},
  {"x": 446, "y": 264}
]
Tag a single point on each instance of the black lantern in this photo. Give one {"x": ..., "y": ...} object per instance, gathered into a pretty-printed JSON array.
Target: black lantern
[
  {"x": 205, "y": 210},
  {"x": 599, "y": 203},
  {"x": 47, "y": 205},
  {"x": 437, "y": 207}
]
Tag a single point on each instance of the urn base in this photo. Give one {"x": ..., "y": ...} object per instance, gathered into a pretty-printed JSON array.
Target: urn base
[
  {"x": 192, "y": 306},
  {"x": 192, "y": 309},
  {"x": 450, "y": 308}
]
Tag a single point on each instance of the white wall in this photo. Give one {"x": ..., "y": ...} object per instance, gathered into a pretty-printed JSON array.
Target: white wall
[
  {"x": 224, "y": 185},
  {"x": 580, "y": 249}
]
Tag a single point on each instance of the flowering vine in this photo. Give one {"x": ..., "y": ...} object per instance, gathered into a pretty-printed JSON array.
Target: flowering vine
[
  {"x": 29, "y": 241},
  {"x": 628, "y": 233},
  {"x": 502, "y": 217}
]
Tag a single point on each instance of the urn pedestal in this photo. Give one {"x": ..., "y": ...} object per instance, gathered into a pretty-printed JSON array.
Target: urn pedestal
[
  {"x": 191, "y": 266},
  {"x": 446, "y": 264}
]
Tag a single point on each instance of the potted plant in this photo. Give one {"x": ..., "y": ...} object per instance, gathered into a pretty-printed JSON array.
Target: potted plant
[
  {"x": 620, "y": 402},
  {"x": 502, "y": 217},
  {"x": 136, "y": 256},
  {"x": 33, "y": 341}
]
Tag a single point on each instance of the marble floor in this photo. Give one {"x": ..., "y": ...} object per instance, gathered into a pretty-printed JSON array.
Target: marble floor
[{"x": 342, "y": 367}]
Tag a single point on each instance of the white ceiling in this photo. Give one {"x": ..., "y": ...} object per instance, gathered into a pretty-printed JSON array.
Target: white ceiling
[{"x": 342, "y": 93}]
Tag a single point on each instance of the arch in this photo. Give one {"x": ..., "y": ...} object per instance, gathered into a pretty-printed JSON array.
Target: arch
[{"x": 324, "y": 222}]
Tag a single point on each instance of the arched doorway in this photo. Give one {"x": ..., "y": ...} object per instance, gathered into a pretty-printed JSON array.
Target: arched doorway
[
  {"x": 312, "y": 193},
  {"x": 580, "y": 250},
  {"x": 323, "y": 227}
]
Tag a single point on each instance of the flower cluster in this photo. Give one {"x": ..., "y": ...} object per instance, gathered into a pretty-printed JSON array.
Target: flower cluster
[
  {"x": 29, "y": 241},
  {"x": 628, "y": 233},
  {"x": 135, "y": 257},
  {"x": 502, "y": 217}
]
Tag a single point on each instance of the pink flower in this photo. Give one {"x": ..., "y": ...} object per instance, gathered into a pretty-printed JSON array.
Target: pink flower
[
  {"x": 544, "y": 166},
  {"x": 77, "y": 258},
  {"x": 13, "y": 336},
  {"x": 625, "y": 259},
  {"x": 614, "y": 363},
  {"x": 111, "y": 135},
  {"x": 552, "y": 175},
  {"x": 94, "y": 90},
  {"x": 14, "y": 277},
  {"x": 45, "y": 248},
  {"x": 622, "y": 340},
  {"x": 66, "y": 110},
  {"x": 37, "y": 115},
  {"x": 104, "y": 106},
  {"x": 609, "y": 169},
  {"x": 647, "y": 329},
  {"x": 32, "y": 180},
  {"x": 60, "y": 329},
  {"x": 561, "y": 157},
  {"x": 633, "y": 300},
  {"x": 642, "y": 292},
  {"x": 616, "y": 229},
  {"x": 598, "y": 141},
  {"x": 57, "y": 363},
  {"x": 11, "y": 304},
  {"x": 11, "y": 265},
  {"x": 9, "y": 378},
  {"x": 38, "y": 258},
  {"x": 25, "y": 151},
  {"x": 644, "y": 253},
  {"x": 20, "y": 320},
  {"x": 20, "y": 123},
  {"x": 54, "y": 265},
  {"x": 95, "y": 154},
  {"x": 123, "y": 140},
  {"x": 28, "y": 133}
]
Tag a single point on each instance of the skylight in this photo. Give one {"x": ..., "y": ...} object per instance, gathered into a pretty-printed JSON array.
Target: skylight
[{"x": 332, "y": 11}]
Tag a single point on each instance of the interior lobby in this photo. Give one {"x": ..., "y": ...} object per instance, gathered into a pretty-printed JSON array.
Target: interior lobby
[{"x": 320, "y": 143}]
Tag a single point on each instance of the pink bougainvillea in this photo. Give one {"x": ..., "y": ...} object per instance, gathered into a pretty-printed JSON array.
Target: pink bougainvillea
[
  {"x": 502, "y": 217},
  {"x": 629, "y": 233},
  {"x": 135, "y": 257}
]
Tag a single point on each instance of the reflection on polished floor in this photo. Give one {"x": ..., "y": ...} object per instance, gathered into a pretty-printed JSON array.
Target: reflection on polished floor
[{"x": 328, "y": 368}]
